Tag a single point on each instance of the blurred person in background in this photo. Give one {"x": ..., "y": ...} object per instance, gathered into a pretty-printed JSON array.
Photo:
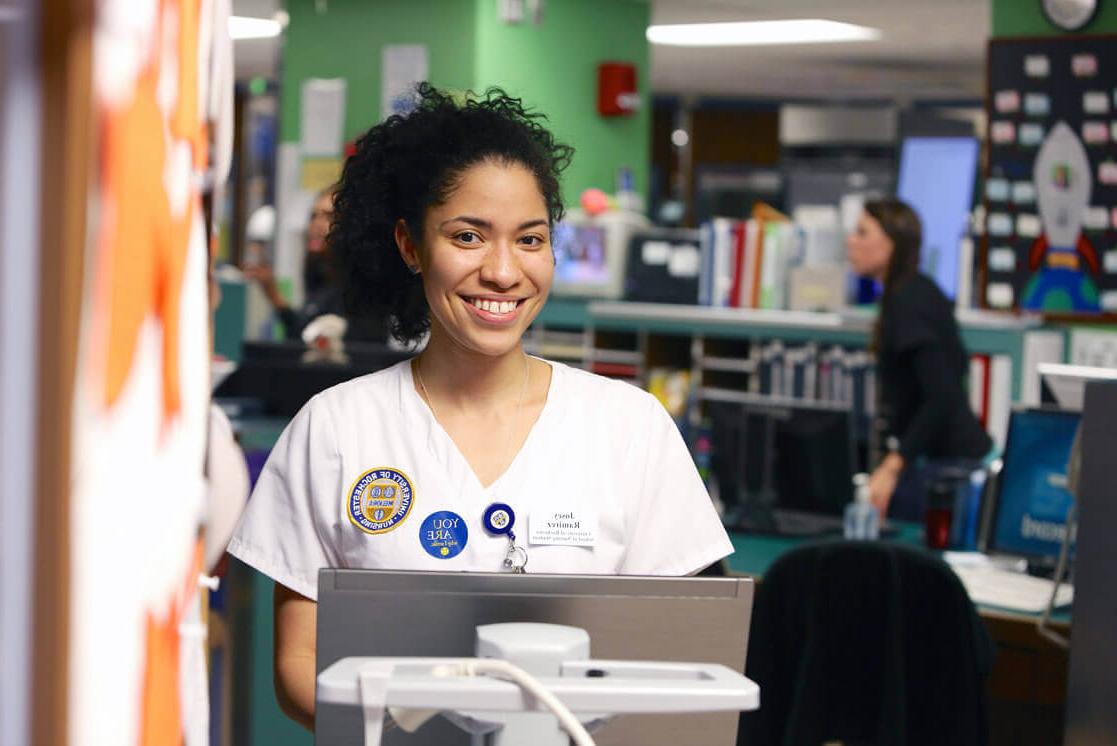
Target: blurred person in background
[
  {"x": 922, "y": 365},
  {"x": 322, "y": 289}
]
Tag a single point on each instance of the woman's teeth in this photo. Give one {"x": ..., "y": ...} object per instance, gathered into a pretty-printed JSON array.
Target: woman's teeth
[{"x": 494, "y": 306}]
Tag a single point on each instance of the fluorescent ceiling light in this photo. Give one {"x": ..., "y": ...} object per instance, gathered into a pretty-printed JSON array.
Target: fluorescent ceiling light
[
  {"x": 801, "y": 31},
  {"x": 243, "y": 27}
]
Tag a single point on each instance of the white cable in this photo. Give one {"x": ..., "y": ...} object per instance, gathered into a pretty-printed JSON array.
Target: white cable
[
  {"x": 1060, "y": 568},
  {"x": 504, "y": 670}
]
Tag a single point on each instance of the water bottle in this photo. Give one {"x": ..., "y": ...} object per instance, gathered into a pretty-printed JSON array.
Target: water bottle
[{"x": 861, "y": 519}]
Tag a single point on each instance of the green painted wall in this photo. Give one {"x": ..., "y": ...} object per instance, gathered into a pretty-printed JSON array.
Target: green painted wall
[
  {"x": 1025, "y": 18},
  {"x": 346, "y": 41},
  {"x": 553, "y": 67}
]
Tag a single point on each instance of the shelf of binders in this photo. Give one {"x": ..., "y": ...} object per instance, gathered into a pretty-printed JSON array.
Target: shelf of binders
[
  {"x": 710, "y": 393},
  {"x": 799, "y": 326},
  {"x": 770, "y": 372},
  {"x": 721, "y": 349},
  {"x": 562, "y": 345},
  {"x": 727, "y": 364},
  {"x": 1021, "y": 339},
  {"x": 617, "y": 354}
]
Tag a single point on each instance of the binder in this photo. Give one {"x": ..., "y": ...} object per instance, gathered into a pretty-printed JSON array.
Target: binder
[
  {"x": 1000, "y": 398},
  {"x": 979, "y": 388}
]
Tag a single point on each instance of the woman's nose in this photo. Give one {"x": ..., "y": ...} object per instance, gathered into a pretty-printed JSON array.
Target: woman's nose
[{"x": 501, "y": 266}]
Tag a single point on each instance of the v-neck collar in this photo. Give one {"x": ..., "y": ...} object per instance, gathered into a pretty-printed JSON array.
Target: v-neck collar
[{"x": 455, "y": 465}]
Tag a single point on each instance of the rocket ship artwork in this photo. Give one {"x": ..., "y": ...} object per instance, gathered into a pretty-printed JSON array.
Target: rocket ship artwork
[{"x": 1062, "y": 258}]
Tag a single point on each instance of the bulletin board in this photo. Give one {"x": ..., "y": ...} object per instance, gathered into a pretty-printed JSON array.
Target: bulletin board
[{"x": 1050, "y": 189}]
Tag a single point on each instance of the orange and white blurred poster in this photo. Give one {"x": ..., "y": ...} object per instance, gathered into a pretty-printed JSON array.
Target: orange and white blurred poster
[{"x": 137, "y": 666}]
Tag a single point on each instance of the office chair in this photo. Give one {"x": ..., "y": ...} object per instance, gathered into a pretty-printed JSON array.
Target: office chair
[{"x": 866, "y": 643}]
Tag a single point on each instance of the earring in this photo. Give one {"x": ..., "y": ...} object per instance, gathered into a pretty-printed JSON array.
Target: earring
[{"x": 414, "y": 268}]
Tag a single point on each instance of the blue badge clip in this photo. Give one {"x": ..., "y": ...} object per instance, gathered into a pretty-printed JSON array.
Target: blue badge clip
[{"x": 499, "y": 519}]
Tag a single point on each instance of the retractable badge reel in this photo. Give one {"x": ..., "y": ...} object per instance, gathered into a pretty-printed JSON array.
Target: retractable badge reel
[{"x": 499, "y": 520}]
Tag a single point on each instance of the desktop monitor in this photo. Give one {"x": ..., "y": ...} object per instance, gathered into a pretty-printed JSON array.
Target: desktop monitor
[
  {"x": 1030, "y": 496},
  {"x": 663, "y": 266},
  {"x": 937, "y": 179},
  {"x": 591, "y": 252},
  {"x": 1064, "y": 386},
  {"x": 435, "y": 614},
  {"x": 278, "y": 377},
  {"x": 777, "y": 464}
]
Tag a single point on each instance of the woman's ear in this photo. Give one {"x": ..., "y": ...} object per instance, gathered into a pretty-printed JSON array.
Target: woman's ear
[{"x": 408, "y": 250}]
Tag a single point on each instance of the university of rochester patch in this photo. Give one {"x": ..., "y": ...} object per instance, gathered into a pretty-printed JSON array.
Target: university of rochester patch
[{"x": 380, "y": 500}]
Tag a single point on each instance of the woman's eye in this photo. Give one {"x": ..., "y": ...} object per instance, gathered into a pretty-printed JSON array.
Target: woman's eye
[
  {"x": 532, "y": 241},
  {"x": 467, "y": 237}
]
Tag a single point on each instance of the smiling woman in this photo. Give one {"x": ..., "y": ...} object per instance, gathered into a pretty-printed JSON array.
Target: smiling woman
[
  {"x": 443, "y": 218},
  {"x": 484, "y": 257}
]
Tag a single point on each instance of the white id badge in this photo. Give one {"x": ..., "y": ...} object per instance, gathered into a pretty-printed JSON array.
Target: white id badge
[{"x": 563, "y": 527}]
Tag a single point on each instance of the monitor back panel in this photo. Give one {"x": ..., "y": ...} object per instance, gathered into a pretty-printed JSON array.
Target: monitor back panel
[{"x": 376, "y": 613}]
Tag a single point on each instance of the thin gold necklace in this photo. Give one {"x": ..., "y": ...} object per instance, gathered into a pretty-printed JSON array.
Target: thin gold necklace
[{"x": 510, "y": 440}]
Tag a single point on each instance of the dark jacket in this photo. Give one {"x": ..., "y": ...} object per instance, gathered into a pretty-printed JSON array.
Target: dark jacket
[
  {"x": 923, "y": 368},
  {"x": 326, "y": 299},
  {"x": 866, "y": 642}
]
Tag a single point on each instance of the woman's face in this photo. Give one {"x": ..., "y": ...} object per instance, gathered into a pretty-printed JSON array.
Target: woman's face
[
  {"x": 320, "y": 218},
  {"x": 486, "y": 258},
  {"x": 869, "y": 248}
]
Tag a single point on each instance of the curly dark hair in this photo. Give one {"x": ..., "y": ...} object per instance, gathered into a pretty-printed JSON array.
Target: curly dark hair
[{"x": 409, "y": 163}]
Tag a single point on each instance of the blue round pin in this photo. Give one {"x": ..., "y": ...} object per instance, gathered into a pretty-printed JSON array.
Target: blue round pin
[
  {"x": 499, "y": 519},
  {"x": 443, "y": 534}
]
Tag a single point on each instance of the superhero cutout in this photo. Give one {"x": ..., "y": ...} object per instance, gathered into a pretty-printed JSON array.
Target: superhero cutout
[{"x": 1062, "y": 256}]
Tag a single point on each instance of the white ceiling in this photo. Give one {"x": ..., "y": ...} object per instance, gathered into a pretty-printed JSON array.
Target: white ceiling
[
  {"x": 930, "y": 49},
  {"x": 256, "y": 57}
]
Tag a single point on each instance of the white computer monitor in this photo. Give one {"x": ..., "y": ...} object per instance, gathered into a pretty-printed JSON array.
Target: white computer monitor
[
  {"x": 435, "y": 614},
  {"x": 1065, "y": 385},
  {"x": 591, "y": 252}
]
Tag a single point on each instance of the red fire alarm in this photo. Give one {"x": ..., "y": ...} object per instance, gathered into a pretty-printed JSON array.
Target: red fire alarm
[{"x": 616, "y": 89}]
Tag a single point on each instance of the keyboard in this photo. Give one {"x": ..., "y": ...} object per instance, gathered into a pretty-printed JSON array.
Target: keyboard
[
  {"x": 797, "y": 523},
  {"x": 994, "y": 586},
  {"x": 788, "y": 523}
]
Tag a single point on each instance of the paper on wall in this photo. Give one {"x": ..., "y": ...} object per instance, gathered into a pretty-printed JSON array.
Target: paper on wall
[
  {"x": 1095, "y": 218},
  {"x": 1037, "y": 104},
  {"x": 1023, "y": 192},
  {"x": 322, "y": 117},
  {"x": 1084, "y": 65},
  {"x": 1095, "y": 133},
  {"x": 1037, "y": 66},
  {"x": 999, "y": 295},
  {"x": 1002, "y": 259},
  {"x": 1110, "y": 262},
  {"x": 1007, "y": 102},
  {"x": 1028, "y": 226},
  {"x": 402, "y": 67},
  {"x": 1031, "y": 134},
  {"x": 1095, "y": 102},
  {"x": 996, "y": 190}
]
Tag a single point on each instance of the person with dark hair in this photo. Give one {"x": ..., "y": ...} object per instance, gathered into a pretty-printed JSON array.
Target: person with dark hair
[
  {"x": 473, "y": 455},
  {"x": 921, "y": 365},
  {"x": 322, "y": 288}
]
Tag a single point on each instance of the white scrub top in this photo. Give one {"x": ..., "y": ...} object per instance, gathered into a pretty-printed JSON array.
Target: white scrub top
[{"x": 365, "y": 477}]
